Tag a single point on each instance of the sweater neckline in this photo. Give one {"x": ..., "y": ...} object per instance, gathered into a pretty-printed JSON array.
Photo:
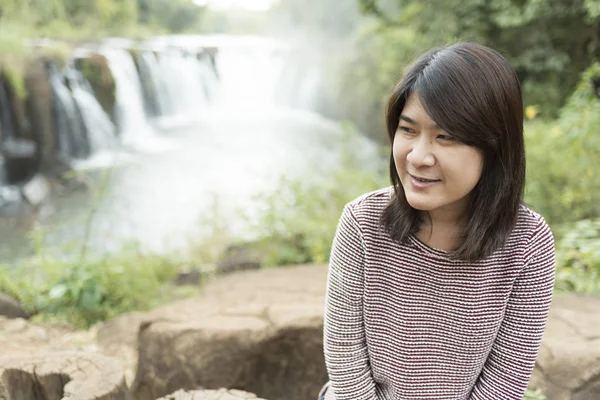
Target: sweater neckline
[{"x": 428, "y": 249}]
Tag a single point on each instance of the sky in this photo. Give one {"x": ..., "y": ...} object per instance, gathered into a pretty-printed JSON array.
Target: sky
[{"x": 257, "y": 5}]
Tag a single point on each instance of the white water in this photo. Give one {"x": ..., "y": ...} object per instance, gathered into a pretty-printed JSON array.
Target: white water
[
  {"x": 134, "y": 130},
  {"x": 100, "y": 129}
]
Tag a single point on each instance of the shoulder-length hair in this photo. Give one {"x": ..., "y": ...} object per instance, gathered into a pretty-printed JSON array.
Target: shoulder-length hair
[{"x": 472, "y": 93}]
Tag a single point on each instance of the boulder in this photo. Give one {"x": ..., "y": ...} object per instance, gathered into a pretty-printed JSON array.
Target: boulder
[
  {"x": 261, "y": 332},
  {"x": 54, "y": 376},
  {"x": 222, "y": 394},
  {"x": 568, "y": 365},
  {"x": 10, "y": 307},
  {"x": 188, "y": 277},
  {"x": 239, "y": 258},
  {"x": 257, "y": 331},
  {"x": 40, "y": 109}
]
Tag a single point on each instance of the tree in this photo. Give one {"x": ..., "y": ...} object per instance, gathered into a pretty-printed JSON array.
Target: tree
[{"x": 548, "y": 42}]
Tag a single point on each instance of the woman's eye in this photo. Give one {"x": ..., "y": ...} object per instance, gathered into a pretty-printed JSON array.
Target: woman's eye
[
  {"x": 446, "y": 137},
  {"x": 405, "y": 129}
]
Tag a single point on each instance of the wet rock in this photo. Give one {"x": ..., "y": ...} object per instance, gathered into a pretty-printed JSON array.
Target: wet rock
[
  {"x": 36, "y": 190},
  {"x": 10, "y": 307},
  {"x": 40, "y": 106},
  {"x": 20, "y": 162}
]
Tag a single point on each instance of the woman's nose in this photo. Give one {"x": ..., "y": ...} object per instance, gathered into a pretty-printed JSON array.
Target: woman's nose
[{"x": 421, "y": 154}]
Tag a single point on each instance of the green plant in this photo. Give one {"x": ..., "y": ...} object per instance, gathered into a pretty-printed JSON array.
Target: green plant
[
  {"x": 561, "y": 155},
  {"x": 83, "y": 293},
  {"x": 578, "y": 258},
  {"x": 534, "y": 395}
]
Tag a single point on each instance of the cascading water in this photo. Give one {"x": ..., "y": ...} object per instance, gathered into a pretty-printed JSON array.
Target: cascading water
[
  {"x": 157, "y": 92},
  {"x": 72, "y": 142},
  {"x": 208, "y": 76},
  {"x": 133, "y": 127},
  {"x": 98, "y": 126},
  {"x": 249, "y": 76},
  {"x": 183, "y": 76}
]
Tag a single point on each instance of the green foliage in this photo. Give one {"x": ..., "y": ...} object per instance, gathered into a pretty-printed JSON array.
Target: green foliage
[
  {"x": 578, "y": 255},
  {"x": 82, "y": 19},
  {"x": 549, "y": 43},
  {"x": 534, "y": 395},
  {"x": 299, "y": 219},
  {"x": 561, "y": 179},
  {"x": 83, "y": 293}
]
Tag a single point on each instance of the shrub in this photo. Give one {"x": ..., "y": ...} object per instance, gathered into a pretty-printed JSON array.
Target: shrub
[
  {"x": 83, "y": 293},
  {"x": 578, "y": 258}
]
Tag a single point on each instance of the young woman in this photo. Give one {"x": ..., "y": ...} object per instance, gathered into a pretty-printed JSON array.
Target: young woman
[{"x": 439, "y": 287}]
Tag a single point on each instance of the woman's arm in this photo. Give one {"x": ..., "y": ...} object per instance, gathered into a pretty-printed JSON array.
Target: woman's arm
[
  {"x": 509, "y": 365},
  {"x": 344, "y": 342}
]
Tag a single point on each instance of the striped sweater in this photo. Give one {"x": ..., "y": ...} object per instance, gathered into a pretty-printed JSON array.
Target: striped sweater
[{"x": 405, "y": 321}]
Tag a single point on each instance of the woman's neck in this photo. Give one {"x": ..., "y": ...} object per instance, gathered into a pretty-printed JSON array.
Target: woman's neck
[{"x": 441, "y": 233}]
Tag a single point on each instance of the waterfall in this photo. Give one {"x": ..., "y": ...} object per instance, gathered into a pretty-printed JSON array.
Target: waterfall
[
  {"x": 249, "y": 76},
  {"x": 134, "y": 130},
  {"x": 183, "y": 77},
  {"x": 98, "y": 126},
  {"x": 208, "y": 76},
  {"x": 155, "y": 82},
  {"x": 72, "y": 142}
]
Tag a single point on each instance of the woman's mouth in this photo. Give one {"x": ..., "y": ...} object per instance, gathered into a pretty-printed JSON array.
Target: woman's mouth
[{"x": 422, "y": 182}]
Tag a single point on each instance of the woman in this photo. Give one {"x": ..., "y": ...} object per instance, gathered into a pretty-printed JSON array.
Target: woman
[{"x": 439, "y": 287}]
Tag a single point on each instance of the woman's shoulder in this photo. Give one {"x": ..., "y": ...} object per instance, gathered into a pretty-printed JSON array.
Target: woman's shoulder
[
  {"x": 531, "y": 226},
  {"x": 371, "y": 203}
]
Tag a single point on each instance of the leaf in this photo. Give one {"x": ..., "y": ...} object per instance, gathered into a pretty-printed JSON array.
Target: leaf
[{"x": 58, "y": 291}]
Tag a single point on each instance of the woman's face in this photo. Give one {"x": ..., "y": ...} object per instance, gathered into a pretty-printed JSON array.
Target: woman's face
[{"x": 437, "y": 172}]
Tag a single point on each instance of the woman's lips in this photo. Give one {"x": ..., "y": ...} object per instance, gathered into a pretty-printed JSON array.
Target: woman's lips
[{"x": 422, "y": 183}]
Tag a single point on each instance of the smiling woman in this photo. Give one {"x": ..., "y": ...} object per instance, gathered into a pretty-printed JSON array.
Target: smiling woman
[{"x": 439, "y": 287}]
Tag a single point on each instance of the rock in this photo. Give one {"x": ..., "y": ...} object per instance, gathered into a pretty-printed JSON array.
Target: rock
[
  {"x": 238, "y": 258},
  {"x": 188, "y": 277},
  {"x": 36, "y": 190},
  {"x": 10, "y": 307},
  {"x": 222, "y": 394},
  {"x": 40, "y": 104},
  {"x": 261, "y": 332},
  {"x": 568, "y": 365},
  {"x": 76, "y": 376},
  {"x": 257, "y": 331}
]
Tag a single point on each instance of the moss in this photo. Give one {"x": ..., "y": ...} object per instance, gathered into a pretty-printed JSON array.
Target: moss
[
  {"x": 96, "y": 70},
  {"x": 14, "y": 56},
  {"x": 60, "y": 53}
]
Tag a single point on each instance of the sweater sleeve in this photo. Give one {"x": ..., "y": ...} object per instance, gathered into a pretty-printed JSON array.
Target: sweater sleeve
[
  {"x": 345, "y": 348},
  {"x": 508, "y": 368}
]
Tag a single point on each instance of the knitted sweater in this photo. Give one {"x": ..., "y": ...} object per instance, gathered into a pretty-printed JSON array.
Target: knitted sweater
[{"x": 406, "y": 322}]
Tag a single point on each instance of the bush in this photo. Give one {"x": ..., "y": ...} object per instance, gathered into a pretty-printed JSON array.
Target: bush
[
  {"x": 83, "y": 293},
  {"x": 561, "y": 155},
  {"x": 578, "y": 258}
]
